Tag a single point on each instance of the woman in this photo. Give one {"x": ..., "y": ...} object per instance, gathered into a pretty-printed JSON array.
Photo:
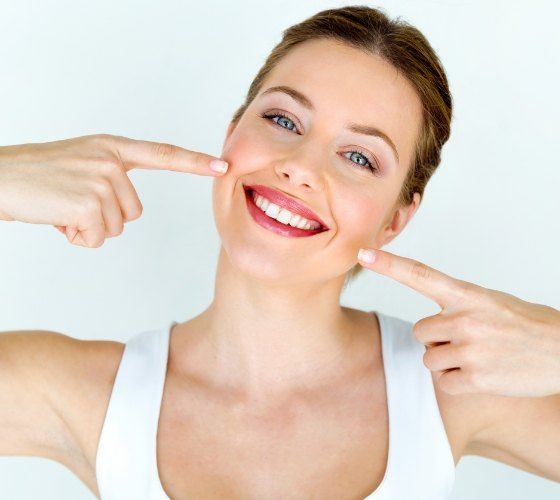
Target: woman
[{"x": 275, "y": 390}]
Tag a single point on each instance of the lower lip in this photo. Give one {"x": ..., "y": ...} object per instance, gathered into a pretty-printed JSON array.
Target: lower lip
[{"x": 272, "y": 224}]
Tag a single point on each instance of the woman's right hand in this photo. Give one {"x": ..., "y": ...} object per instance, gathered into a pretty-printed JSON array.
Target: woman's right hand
[{"x": 80, "y": 185}]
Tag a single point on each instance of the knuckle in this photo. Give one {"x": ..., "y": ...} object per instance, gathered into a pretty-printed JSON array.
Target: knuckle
[
  {"x": 117, "y": 231},
  {"x": 417, "y": 331},
  {"x": 164, "y": 151},
  {"x": 455, "y": 328},
  {"x": 464, "y": 290},
  {"x": 100, "y": 139},
  {"x": 427, "y": 358},
  {"x": 482, "y": 295},
  {"x": 96, "y": 137},
  {"x": 109, "y": 166},
  {"x": 474, "y": 379},
  {"x": 200, "y": 162},
  {"x": 469, "y": 355},
  {"x": 420, "y": 271},
  {"x": 468, "y": 323},
  {"x": 90, "y": 207},
  {"x": 136, "y": 211},
  {"x": 103, "y": 187},
  {"x": 133, "y": 211},
  {"x": 97, "y": 236}
]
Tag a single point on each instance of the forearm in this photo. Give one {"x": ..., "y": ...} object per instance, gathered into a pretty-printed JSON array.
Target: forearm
[{"x": 4, "y": 164}]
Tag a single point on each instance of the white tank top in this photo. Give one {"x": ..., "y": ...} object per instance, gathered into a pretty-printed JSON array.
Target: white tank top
[{"x": 420, "y": 463}]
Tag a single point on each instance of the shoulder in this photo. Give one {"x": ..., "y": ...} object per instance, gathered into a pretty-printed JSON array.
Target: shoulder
[
  {"x": 78, "y": 377},
  {"x": 59, "y": 386},
  {"x": 83, "y": 396},
  {"x": 55, "y": 361},
  {"x": 67, "y": 363},
  {"x": 462, "y": 414}
]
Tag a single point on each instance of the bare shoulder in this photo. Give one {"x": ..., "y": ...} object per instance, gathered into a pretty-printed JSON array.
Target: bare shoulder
[
  {"x": 463, "y": 416},
  {"x": 83, "y": 397},
  {"x": 59, "y": 387}
]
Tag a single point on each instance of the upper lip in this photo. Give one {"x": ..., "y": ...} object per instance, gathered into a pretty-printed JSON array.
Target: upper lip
[{"x": 280, "y": 199}]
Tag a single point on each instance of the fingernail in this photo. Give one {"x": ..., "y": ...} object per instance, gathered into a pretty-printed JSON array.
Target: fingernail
[
  {"x": 219, "y": 166},
  {"x": 367, "y": 256}
]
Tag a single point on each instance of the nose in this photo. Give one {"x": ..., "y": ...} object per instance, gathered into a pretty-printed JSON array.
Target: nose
[{"x": 302, "y": 171}]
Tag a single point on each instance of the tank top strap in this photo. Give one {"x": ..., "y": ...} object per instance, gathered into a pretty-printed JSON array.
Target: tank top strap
[
  {"x": 126, "y": 458},
  {"x": 420, "y": 462}
]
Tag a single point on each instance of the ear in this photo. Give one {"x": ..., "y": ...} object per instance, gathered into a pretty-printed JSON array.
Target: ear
[{"x": 398, "y": 221}]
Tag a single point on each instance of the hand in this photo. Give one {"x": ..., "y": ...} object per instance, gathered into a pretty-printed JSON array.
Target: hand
[
  {"x": 80, "y": 185},
  {"x": 483, "y": 340}
]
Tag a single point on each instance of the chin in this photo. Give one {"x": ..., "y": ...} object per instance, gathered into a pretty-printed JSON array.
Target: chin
[{"x": 257, "y": 263}]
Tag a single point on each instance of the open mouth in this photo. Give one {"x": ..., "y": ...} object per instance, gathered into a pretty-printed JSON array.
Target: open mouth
[{"x": 264, "y": 220}]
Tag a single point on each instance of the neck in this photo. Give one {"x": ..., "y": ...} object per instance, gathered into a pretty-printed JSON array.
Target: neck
[{"x": 261, "y": 340}]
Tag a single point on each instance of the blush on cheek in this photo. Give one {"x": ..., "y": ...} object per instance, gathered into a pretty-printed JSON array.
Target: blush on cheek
[
  {"x": 247, "y": 151},
  {"x": 359, "y": 218}
]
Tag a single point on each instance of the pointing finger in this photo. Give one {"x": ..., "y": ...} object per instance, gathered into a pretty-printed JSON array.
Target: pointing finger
[
  {"x": 439, "y": 287},
  {"x": 156, "y": 155}
]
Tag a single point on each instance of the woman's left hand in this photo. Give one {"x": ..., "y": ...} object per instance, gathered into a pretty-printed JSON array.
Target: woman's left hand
[{"x": 483, "y": 340}]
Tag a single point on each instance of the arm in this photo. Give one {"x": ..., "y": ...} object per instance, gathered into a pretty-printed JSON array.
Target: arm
[
  {"x": 31, "y": 364},
  {"x": 3, "y": 164},
  {"x": 500, "y": 354},
  {"x": 81, "y": 185},
  {"x": 520, "y": 432}
]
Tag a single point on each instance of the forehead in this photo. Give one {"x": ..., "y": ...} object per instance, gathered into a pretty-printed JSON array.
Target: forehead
[{"x": 348, "y": 84}]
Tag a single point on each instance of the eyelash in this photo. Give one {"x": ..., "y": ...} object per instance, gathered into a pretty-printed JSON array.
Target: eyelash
[{"x": 373, "y": 166}]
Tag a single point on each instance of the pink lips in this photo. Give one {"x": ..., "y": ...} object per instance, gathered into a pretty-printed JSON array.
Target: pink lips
[
  {"x": 283, "y": 201},
  {"x": 273, "y": 225}
]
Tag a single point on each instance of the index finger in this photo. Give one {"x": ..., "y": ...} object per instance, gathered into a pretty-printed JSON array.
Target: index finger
[
  {"x": 437, "y": 286},
  {"x": 135, "y": 153}
]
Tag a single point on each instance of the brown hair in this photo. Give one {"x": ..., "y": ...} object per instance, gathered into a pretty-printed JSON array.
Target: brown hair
[{"x": 406, "y": 48}]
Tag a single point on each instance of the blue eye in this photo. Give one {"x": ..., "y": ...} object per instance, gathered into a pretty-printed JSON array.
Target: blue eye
[{"x": 283, "y": 118}]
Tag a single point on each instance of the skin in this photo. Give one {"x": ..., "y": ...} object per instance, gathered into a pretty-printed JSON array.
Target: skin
[
  {"x": 261, "y": 280},
  {"x": 483, "y": 341},
  {"x": 275, "y": 322}
]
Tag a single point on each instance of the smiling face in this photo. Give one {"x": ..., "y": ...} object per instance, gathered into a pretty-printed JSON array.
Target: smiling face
[{"x": 350, "y": 180}]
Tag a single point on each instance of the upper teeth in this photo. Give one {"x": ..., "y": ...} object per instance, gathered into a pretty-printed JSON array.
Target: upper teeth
[{"x": 282, "y": 215}]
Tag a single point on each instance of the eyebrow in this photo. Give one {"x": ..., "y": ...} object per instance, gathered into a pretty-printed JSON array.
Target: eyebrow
[{"x": 354, "y": 127}]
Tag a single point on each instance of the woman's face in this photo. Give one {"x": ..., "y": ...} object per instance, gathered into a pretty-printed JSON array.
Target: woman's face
[{"x": 349, "y": 179}]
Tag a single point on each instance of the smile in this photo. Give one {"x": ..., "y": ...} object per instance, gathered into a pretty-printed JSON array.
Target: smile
[{"x": 279, "y": 220}]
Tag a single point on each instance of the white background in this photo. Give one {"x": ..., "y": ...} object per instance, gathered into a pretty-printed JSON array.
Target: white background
[{"x": 175, "y": 72}]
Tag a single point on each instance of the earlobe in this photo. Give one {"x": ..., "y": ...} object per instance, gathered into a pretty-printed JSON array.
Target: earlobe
[
  {"x": 400, "y": 219},
  {"x": 406, "y": 213}
]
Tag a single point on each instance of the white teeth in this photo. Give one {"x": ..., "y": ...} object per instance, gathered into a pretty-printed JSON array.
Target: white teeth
[
  {"x": 294, "y": 220},
  {"x": 282, "y": 215},
  {"x": 272, "y": 210}
]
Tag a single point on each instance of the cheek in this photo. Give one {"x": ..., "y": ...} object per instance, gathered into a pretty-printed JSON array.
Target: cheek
[
  {"x": 359, "y": 218},
  {"x": 245, "y": 152}
]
